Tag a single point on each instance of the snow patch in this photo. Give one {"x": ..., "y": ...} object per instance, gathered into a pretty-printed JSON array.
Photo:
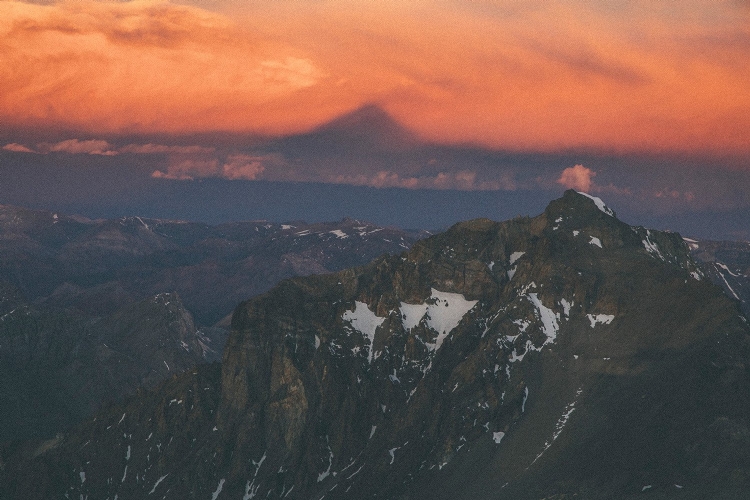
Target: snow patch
[
  {"x": 548, "y": 317},
  {"x": 442, "y": 313},
  {"x": 339, "y": 234},
  {"x": 599, "y": 204},
  {"x": 724, "y": 267},
  {"x": 651, "y": 247},
  {"x": 218, "y": 489},
  {"x": 365, "y": 322},
  {"x": 327, "y": 472},
  {"x": 604, "y": 319},
  {"x": 560, "y": 425},
  {"x": 157, "y": 483},
  {"x": 566, "y": 307},
  {"x": 595, "y": 241},
  {"x": 515, "y": 256},
  {"x": 497, "y": 437}
]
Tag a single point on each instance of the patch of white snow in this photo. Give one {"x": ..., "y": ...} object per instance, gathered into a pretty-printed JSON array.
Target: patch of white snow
[
  {"x": 599, "y": 204},
  {"x": 604, "y": 319},
  {"x": 339, "y": 233},
  {"x": 548, "y": 317},
  {"x": 515, "y": 256},
  {"x": 157, "y": 483},
  {"x": 365, "y": 322},
  {"x": 218, "y": 490},
  {"x": 442, "y": 313}
]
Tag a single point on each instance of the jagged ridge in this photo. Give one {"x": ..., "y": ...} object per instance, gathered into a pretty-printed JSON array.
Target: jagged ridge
[{"x": 564, "y": 354}]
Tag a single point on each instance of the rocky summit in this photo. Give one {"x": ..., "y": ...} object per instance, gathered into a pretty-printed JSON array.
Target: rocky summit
[{"x": 568, "y": 355}]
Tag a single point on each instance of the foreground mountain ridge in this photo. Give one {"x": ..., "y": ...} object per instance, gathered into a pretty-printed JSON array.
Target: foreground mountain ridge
[{"x": 565, "y": 355}]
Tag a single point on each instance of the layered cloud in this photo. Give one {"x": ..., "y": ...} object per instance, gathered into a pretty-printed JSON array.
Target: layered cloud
[
  {"x": 235, "y": 167},
  {"x": 75, "y": 146},
  {"x": 463, "y": 180},
  {"x": 528, "y": 75},
  {"x": 17, "y": 148}
]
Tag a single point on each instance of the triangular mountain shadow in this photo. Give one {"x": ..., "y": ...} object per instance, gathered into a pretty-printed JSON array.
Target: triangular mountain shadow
[{"x": 366, "y": 129}]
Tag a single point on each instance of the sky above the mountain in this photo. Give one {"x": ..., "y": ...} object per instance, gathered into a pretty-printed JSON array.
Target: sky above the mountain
[{"x": 645, "y": 101}]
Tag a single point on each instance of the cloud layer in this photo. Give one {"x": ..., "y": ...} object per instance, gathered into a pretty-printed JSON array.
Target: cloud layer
[{"x": 529, "y": 75}]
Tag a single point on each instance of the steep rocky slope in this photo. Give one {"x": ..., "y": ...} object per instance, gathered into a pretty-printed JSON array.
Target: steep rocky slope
[
  {"x": 59, "y": 366},
  {"x": 88, "y": 313},
  {"x": 563, "y": 356},
  {"x": 727, "y": 263}
]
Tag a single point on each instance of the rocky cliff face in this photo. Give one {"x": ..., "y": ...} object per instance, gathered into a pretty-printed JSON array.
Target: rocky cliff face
[
  {"x": 563, "y": 356},
  {"x": 726, "y": 263},
  {"x": 88, "y": 311},
  {"x": 58, "y": 366}
]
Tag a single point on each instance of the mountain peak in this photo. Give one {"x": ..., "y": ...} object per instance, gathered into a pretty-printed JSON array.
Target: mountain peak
[{"x": 577, "y": 200}]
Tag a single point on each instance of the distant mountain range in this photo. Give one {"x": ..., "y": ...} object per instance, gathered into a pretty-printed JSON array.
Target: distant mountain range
[
  {"x": 568, "y": 355},
  {"x": 92, "y": 310}
]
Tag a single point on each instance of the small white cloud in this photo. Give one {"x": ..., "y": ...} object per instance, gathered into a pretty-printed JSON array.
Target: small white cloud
[
  {"x": 577, "y": 177},
  {"x": 91, "y": 147},
  {"x": 189, "y": 169},
  {"x": 243, "y": 167},
  {"x": 17, "y": 148}
]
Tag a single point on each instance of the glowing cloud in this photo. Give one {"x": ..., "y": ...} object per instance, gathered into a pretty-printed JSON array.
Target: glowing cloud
[
  {"x": 161, "y": 148},
  {"x": 17, "y": 148},
  {"x": 242, "y": 167},
  {"x": 527, "y": 75},
  {"x": 577, "y": 177},
  {"x": 74, "y": 146}
]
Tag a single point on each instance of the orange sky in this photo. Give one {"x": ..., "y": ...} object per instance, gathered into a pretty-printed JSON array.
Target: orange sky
[{"x": 535, "y": 75}]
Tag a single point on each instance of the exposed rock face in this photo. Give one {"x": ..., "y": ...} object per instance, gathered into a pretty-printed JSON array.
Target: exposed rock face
[
  {"x": 563, "y": 356},
  {"x": 84, "y": 317},
  {"x": 57, "y": 367},
  {"x": 727, "y": 263}
]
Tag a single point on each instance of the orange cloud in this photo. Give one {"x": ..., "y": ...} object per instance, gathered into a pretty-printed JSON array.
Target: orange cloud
[
  {"x": 17, "y": 148},
  {"x": 75, "y": 146},
  {"x": 517, "y": 75},
  {"x": 161, "y": 148},
  {"x": 577, "y": 177}
]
